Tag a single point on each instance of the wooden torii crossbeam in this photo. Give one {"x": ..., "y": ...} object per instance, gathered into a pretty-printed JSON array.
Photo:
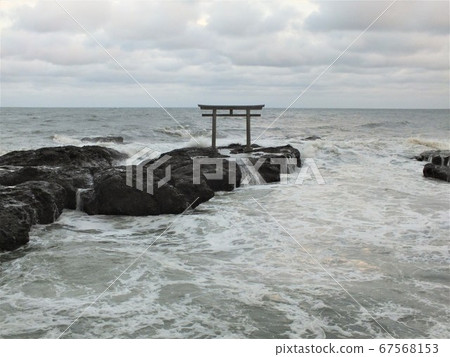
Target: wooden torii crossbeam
[{"x": 233, "y": 111}]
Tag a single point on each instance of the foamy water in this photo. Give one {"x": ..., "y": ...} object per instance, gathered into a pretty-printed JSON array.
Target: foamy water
[{"x": 262, "y": 261}]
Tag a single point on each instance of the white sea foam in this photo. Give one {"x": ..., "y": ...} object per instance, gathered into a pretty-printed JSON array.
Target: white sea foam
[
  {"x": 433, "y": 144},
  {"x": 66, "y": 140},
  {"x": 181, "y": 132},
  {"x": 228, "y": 269},
  {"x": 199, "y": 141}
]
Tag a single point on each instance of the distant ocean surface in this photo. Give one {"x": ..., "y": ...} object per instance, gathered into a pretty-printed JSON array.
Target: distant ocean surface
[{"x": 227, "y": 269}]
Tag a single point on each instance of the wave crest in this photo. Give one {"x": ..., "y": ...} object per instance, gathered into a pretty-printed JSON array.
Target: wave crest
[
  {"x": 434, "y": 144},
  {"x": 66, "y": 140}
]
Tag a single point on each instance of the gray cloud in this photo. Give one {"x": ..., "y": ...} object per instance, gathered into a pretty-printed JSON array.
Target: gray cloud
[
  {"x": 248, "y": 19},
  {"x": 185, "y": 52},
  {"x": 422, "y": 16},
  {"x": 47, "y": 16}
]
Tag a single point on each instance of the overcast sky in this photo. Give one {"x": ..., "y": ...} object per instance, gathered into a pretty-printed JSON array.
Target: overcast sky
[{"x": 225, "y": 52}]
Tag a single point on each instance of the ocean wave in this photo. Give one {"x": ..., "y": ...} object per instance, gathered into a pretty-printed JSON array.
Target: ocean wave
[
  {"x": 66, "y": 140},
  {"x": 434, "y": 144},
  {"x": 385, "y": 124},
  {"x": 199, "y": 141},
  {"x": 180, "y": 132},
  {"x": 371, "y": 125},
  {"x": 128, "y": 149},
  {"x": 183, "y": 132}
]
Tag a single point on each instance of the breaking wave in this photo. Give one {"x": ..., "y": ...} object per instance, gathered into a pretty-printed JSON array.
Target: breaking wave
[
  {"x": 434, "y": 144},
  {"x": 66, "y": 140}
]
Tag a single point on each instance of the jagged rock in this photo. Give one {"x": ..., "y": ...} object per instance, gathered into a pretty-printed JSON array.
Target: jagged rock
[
  {"x": 437, "y": 171},
  {"x": 286, "y": 151},
  {"x": 239, "y": 148},
  {"x": 437, "y": 157},
  {"x": 112, "y": 195},
  {"x": 16, "y": 222},
  {"x": 104, "y": 139},
  {"x": 70, "y": 177},
  {"x": 26, "y": 204},
  {"x": 37, "y": 184},
  {"x": 231, "y": 173},
  {"x": 228, "y": 180},
  {"x": 86, "y": 156},
  {"x": 195, "y": 152},
  {"x": 270, "y": 168},
  {"x": 438, "y": 164},
  {"x": 312, "y": 138},
  {"x": 269, "y": 172}
]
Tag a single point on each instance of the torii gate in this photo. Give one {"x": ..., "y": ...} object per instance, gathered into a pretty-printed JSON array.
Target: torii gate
[{"x": 231, "y": 108}]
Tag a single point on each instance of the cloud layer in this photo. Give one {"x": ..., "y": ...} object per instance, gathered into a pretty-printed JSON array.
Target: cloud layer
[{"x": 185, "y": 52}]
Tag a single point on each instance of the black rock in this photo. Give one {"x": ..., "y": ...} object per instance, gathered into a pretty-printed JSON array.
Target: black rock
[
  {"x": 104, "y": 139},
  {"x": 86, "y": 156},
  {"x": 35, "y": 185},
  {"x": 182, "y": 174},
  {"x": 239, "y": 148},
  {"x": 286, "y": 151},
  {"x": 269, "y": 171},
  {"x": 112, "y": 195},
  {"x": 70, "y": 178},
  {"x": 267, "y": 159},
  {"x": 437, "y": 157},
  {"x": 195, "y": 152},
  {"x": 440, "y": 160},
  {"x": 230, "y": 177},
  {"x": 437, "y": 171},
  {"x": 21, "y": 206},
  {"x": 15, "y": 225},
  {"x": 223, "y": 175},
  {"x": 312, "y": 138}
]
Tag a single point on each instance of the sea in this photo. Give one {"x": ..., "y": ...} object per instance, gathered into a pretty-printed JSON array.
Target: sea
[{"x": 355, "y": 244}]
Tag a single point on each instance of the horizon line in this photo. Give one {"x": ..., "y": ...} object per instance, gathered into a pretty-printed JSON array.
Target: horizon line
[{"x": 195, "y": 107}]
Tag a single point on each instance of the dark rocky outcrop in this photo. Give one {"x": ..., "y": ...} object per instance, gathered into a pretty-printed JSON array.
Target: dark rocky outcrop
[
  {"x": 228, "y": 180},
  {"x": 239, "y": 148},
  {"x": 269, "y": 172},
  {"x": 103, "y": 139},
  {"x": 111, "y": 195},
  {"x": 71, "y": 178},
  {"x": 438, "y": 164},
  {"x": 35, "y": 185},
  {"x": 437, "y": 171},
  {"x": 312, "y": 138},
  {"x": 286, "y": 151},
  {"x": 270, "y": 168},
  {"x": 195, "y": 152},
  {"x": 21, "y": 206},
  {"x": 437, "y": 157},
  {"x": 231, "y": 173},
  {"x": 86, "y": 156}
]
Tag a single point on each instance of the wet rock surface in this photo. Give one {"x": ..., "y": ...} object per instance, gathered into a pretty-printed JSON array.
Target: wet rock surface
[
  {"x": 71, "y": 178},
  {"x": 439, "y": 156},
  {"x": 269, "y": 162},
  {"x": 103, "y": 139},
  {"x": 21, "y": 206},
  {"x": 438, "y": 166},
  {"x": 437, "y": 171},
  {"x": 35, "y": 185},
  {"x": 86, "y": 156}
]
